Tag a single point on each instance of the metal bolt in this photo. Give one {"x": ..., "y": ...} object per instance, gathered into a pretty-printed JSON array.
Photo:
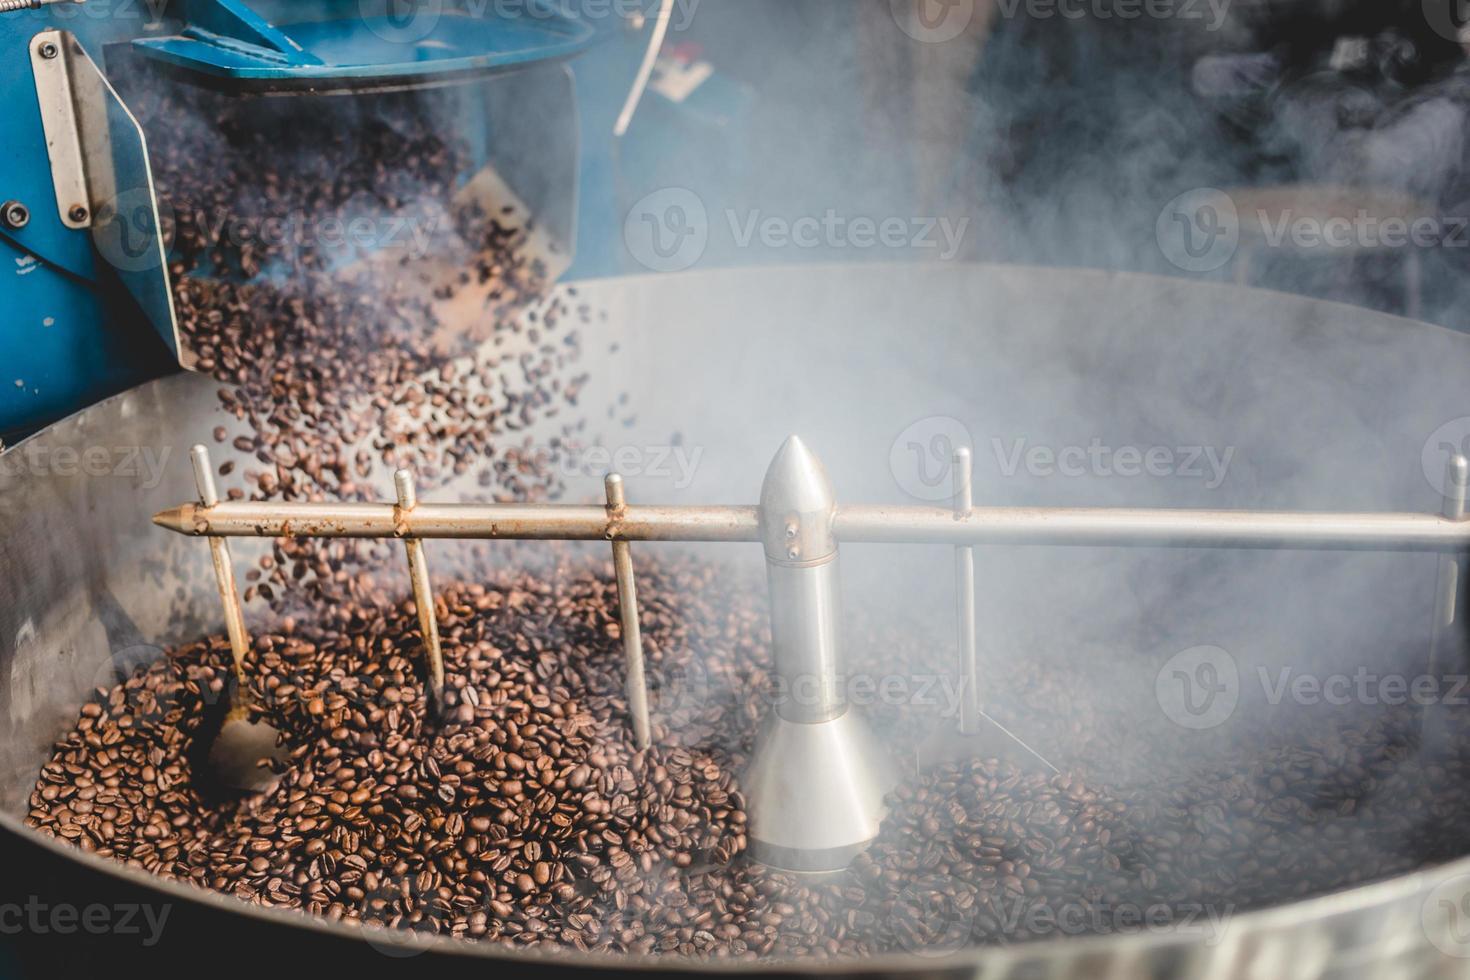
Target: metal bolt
[
  {"x": 77, "y": 213},
  {"x": 49, "y": 50},
  {"x": 15, "y": 214}
]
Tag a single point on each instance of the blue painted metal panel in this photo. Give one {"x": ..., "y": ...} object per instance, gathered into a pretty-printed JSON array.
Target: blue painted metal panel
[
  {"x": 66, "y": 341},
  {"x": 355, "y": 44}
]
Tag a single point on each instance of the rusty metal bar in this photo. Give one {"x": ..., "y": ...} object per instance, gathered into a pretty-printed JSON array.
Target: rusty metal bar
[
  {"x": 224, "y": 569},
  {"x": 423, "y": 591},
  {"x": 527, "y": 522},
  {"x": 617, "y": 505},
  {"x": 1075, "y": 526}
]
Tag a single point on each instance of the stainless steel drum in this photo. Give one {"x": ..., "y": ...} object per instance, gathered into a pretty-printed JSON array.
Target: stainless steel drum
[{"x": 1267, "y": 401}]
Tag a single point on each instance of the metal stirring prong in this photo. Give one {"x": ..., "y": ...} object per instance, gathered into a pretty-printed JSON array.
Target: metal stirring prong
[
  {"x": 224, "y": 571},
  {"x": 1449, "y": 644},
  {"x": 423, "y": 592},
  {"x": 628, "y": 612},
  {"x": 964, "y": 574}
]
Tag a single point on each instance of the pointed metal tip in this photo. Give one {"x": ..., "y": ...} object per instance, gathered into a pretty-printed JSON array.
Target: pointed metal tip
[
  {"x": 797, "y": 504},
  {"x": 1459, "y": 469},
  {"x": 177, "y": 519},
  {"x": 796, "y": 481}
]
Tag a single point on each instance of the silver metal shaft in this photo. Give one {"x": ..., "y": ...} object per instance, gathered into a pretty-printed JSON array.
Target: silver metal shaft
[
  {"x": 637, "y": 686},
  {"x": 224, "y": 570},
  {"x": 1450, "y": 646},
  {"x": 1060, "y": 526},
  {"x": 423, "y": 591},
  {"x": 964, "y": 581},
  {"x": 1105, "y": 527},
  {"x": 816, "y": 782}
]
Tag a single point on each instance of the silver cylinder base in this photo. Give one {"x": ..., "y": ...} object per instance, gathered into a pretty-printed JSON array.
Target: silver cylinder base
[{"x": 814, "y": 792}]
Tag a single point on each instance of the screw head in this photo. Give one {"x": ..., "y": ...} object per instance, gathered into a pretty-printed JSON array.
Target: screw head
[
  {"x": 15, "y": 214},
  {"x": 49, "y": 50},
  {"x": 77, "y": 213}
]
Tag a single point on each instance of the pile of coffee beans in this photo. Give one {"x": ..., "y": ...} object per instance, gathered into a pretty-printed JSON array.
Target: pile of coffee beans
[{"x": 523, "y": 814}]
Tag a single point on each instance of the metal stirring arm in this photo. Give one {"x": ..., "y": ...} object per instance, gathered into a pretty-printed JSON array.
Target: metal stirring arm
[{"x": 816, "y": 783}]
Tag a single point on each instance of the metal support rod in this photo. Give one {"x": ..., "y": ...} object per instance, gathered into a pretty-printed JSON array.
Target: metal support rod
[
  {"x": 964, "y": 581},
  {"x": 224, "y": 571},
  {"x": 423, "y": 592},
  {"x": 1133, "y": 528},
  {"x": 1450, "y": 646},
  {"x": 628, "y": 610},
  {"x": 1059, "y": 526},
  {"x": 508, "y": 522}
]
